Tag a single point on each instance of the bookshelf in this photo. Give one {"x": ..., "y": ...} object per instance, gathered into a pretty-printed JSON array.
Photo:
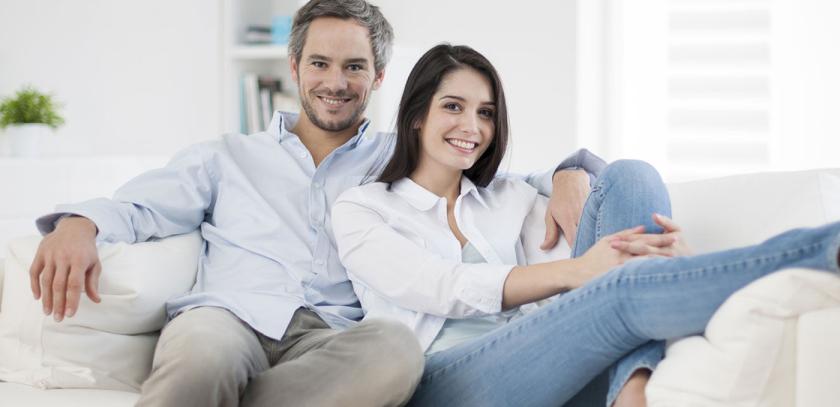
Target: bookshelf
[{"x": 241, "y": 60}]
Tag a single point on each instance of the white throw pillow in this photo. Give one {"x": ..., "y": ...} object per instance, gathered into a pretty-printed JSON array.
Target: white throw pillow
[
  {"x": 107, "y": 345},
  {"x": 748, "y": 354}
]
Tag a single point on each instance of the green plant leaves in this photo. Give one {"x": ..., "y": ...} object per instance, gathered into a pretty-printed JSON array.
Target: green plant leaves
[{"x": 30, "y": 106}]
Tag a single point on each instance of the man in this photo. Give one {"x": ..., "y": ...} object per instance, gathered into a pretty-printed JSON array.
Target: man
[{"x": 271, "y": 319}]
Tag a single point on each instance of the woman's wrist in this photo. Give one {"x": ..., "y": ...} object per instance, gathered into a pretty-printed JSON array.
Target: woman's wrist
[{"x": 572, "y": 276}]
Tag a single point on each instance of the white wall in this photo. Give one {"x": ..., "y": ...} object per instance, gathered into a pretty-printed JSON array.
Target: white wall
[
  {"x": 136, "y": 77},
  {"x": 808, "y": 108},
  {"x": 532, "y": 45}
]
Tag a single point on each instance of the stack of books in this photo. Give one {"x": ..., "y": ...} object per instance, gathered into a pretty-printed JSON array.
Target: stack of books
[
  {"x": 257, "y": 34},
  {"x": 262, "y": 95}
]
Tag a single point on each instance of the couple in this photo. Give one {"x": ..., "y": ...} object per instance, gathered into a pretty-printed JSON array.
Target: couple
[{"x": 272, "y": 317}]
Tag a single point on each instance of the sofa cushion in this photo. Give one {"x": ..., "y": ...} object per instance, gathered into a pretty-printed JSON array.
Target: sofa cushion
[
  {"x": 2, "y": 267},
  {"x": 14, "y": 394},
  {"x": 741, "y": 210},
  {"x": 107, "y": 345},
  {"x": 748, "y": 354}
]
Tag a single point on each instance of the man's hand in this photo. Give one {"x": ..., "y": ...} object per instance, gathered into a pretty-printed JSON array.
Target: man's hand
[
  {"x": 570, "y": 190},
  {"x": 66, "y": 261},
  {"x": 671, "y": 243}
]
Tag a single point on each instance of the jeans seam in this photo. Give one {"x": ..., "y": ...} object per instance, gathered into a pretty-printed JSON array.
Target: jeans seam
[{"x": 633, "y": 277}]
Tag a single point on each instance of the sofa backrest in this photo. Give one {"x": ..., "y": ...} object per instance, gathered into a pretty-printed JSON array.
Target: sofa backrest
[{"x": 746, "y": 209}]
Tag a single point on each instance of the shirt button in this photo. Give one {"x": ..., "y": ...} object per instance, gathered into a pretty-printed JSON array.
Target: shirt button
[
  {"x": 319, "y": 262},
  {"x": 317, "y": 185}
]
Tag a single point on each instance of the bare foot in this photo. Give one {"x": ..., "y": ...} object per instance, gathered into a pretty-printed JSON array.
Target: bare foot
[{"x": 633, "y": 392}]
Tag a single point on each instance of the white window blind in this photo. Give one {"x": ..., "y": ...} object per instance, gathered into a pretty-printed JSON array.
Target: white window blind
[
  {"x": 690, "y": 85},
  {"x": 719, "y": 86}
]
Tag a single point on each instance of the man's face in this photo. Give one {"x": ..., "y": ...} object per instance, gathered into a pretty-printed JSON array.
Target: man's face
[{"x": 335, "y": 75}]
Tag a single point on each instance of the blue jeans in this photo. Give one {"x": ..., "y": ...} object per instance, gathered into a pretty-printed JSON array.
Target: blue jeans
[{"x": 547, "y": 356}]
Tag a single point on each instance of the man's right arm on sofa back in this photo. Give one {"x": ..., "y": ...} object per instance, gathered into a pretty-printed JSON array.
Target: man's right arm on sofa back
[{"x": 164, "y": 202}]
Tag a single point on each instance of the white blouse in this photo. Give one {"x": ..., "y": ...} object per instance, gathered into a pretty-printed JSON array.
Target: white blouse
[{"x": 405, "y": 263}]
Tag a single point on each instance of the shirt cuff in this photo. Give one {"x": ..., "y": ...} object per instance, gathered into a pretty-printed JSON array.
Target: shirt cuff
[
  {"x": 483, "y": 286},
  {"x": 99, "y": 211}
]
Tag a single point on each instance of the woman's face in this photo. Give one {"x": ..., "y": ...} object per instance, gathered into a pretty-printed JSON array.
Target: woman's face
[{"x": 461, "y": 121}]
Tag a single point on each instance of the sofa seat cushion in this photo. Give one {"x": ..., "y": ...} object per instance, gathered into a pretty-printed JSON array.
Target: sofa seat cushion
[
  {"x": 14, "y": 394},
  {"x": 107, "y": 345},
  {"x": 748, "y": 356}
]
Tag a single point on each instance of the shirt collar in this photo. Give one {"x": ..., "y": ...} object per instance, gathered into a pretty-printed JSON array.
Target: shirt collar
[
  {"x": 423, "y": 199},
  {"x": 282, "y": 124}
]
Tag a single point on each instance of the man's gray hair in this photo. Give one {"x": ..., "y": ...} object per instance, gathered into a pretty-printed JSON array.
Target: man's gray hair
[{"x": 367, "y": 15}]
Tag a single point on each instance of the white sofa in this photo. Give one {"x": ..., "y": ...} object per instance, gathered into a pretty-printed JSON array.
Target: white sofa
[{"x": 774, "y": 343}]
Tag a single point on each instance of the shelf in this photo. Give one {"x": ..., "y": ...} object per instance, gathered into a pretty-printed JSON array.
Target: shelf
[{"x": 268, "y": 51}]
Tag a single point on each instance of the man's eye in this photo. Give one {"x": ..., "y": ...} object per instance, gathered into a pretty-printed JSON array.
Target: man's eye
[
  {"x": 319, "y": 64},
  {"x": 354, "y": 67}
]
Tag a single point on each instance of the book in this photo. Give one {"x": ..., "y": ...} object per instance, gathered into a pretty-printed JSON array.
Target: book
[{"x": 262, "y": 95}]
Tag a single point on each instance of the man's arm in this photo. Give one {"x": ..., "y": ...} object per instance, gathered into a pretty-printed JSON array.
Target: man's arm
[
  {"x": 159, "y": 203},
  {"x": 568, "y": 187}
]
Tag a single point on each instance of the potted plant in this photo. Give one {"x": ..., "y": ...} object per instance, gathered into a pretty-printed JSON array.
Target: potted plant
[{"x": 28, "y": 117}]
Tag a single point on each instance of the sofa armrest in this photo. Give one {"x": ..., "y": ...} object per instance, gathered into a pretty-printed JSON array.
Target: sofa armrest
[
  {"x": 748, "y": 355},
  {"x": 2, "y": 267},
  {"x": 818, "y": 356}
]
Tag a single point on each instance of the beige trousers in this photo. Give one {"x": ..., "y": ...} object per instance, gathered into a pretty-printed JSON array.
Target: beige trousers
[{"x": 209, "y": 357}]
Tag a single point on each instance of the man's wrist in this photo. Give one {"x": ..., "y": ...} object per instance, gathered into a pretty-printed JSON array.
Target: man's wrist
[
  {"x": 566, "y": 172},
  {"x": 78, "y": 221}
]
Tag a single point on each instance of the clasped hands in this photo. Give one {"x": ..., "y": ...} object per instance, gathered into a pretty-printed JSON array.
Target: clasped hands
[{"x": 635, "y": 242}]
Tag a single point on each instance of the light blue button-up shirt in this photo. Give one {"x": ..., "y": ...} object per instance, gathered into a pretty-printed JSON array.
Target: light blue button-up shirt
[{"x": 263, "y": 209}]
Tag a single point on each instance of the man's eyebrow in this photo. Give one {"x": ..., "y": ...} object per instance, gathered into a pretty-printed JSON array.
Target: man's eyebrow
[{"x": 319, "y": 57}]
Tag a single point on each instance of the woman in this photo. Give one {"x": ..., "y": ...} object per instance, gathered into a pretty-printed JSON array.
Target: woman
[{"x": 441, "y": 245}]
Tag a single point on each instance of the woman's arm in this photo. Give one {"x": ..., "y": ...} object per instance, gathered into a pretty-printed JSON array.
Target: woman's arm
[
  {"x": 414, "y": 277},
  {"x": 535, "y": 282},
  {"x": 411, "y": 276}
]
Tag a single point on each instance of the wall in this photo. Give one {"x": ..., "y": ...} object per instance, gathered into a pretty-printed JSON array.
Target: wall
[
  {"x": 809, "y": 122},
  {"x": 531, "y": 44},
  {"x": 136, "y": 77},
  {"x": 144, "y": 77}
]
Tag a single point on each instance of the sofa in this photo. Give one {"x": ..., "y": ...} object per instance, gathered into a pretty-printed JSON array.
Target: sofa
[{"x": 776, "y": 342}]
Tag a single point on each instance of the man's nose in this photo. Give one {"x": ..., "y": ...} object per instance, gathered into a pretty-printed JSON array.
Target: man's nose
[{"x": 336, "y": 80}]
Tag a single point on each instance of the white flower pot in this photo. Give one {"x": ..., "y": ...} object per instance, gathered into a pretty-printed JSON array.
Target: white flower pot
[{"x": 24, "y": 140}]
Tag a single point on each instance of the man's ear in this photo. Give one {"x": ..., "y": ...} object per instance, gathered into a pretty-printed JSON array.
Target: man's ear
[
  {"x": 293, "y": 65},
  {"x": 377, "y": 80}
]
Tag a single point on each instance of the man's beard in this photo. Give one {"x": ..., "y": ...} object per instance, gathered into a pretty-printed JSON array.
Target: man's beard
[{"x": 331, "y": 126}]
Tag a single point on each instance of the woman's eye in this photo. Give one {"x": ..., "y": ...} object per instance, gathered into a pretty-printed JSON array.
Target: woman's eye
[
  {"x": 486, "y": 113},
  {"x": 452, "y": 106}
]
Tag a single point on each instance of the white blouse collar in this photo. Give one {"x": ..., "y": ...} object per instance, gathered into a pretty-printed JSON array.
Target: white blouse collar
[{"x": 423, "y": 199}]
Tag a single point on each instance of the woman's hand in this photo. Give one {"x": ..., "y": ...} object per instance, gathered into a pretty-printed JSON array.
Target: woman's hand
[
  {"x": 602, "y": 256},
  {"x": 671, "y": 243}
]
